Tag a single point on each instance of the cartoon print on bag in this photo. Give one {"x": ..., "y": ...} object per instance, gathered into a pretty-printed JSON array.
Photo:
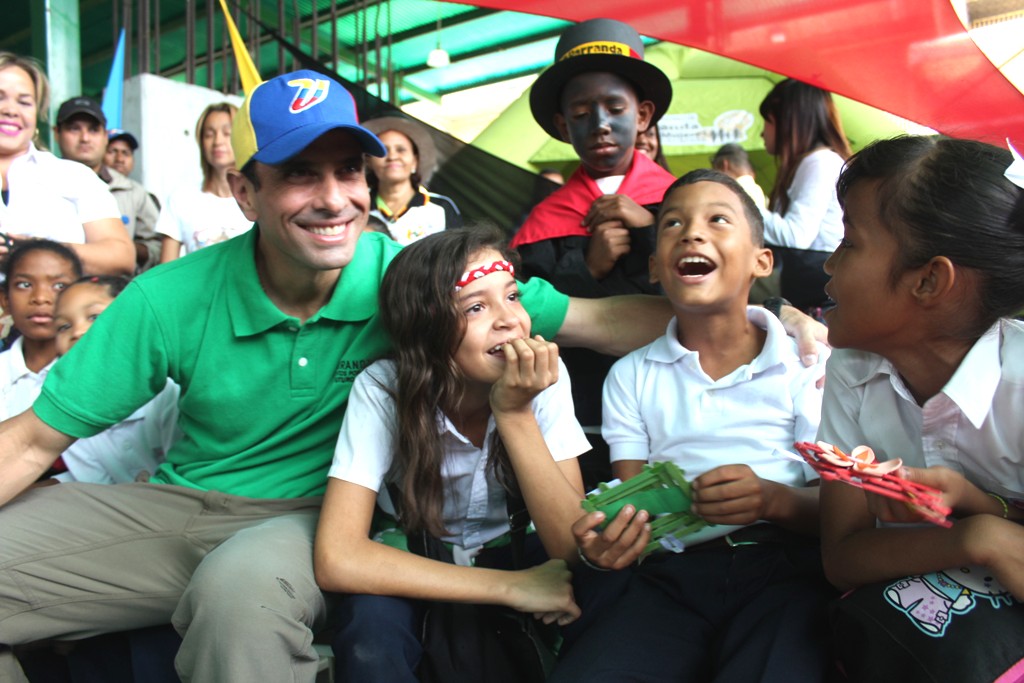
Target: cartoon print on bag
[{"x": 931, "y": 600}]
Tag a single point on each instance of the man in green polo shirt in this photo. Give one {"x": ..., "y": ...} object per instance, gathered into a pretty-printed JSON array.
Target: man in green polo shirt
[{"x": 264, "y": 334}]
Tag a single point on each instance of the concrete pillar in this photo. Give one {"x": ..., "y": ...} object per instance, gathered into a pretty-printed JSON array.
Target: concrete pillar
[{"x": 57, "y": 44}]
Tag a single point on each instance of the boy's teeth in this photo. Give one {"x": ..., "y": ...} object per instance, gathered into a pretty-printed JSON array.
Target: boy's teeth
[{"x": 694, "y": 259}]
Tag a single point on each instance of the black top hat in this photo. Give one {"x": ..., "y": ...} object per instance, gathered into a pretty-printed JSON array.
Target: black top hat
[
  {"x": 598, "y": 45},
  {"x": 81, "y": 105}
]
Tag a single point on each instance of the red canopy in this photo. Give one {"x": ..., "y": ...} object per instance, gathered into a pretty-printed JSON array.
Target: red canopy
[{"x": 909, "y": 57}]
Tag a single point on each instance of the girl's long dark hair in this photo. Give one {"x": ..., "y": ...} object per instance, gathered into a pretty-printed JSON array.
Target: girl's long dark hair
[
  {"x": 419, "y": 311},
  {"x": 805, "y": 119}
]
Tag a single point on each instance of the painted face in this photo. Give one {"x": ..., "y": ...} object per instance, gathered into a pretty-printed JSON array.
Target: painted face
[
  {"x": 494, "y": 316},
  {"x": 76, "y": 311},
  {"x": 216, "y": 140},
  {"x": 399, "y": 163},
  {"x": 647, "y": 143},
  {"x": 312, "y": 208},
  {"x": 768, "y": 135},
  {"x": 871, "y": 313},
  {"x": 601, "y": 118},
  {"x": 18, "y": 112},
  {"x": 705, "y": 256},
  {"x": 32, "y": 290},
  {"x": 120, "y": 157},
  {"x": 82, "y": 138}
]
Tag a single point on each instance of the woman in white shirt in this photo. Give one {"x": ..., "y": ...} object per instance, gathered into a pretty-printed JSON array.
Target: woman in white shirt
[
  {"x": 196, "y": 217},
  {"x": 44, "y": 196},
  {"x": 803, "y": 130}
]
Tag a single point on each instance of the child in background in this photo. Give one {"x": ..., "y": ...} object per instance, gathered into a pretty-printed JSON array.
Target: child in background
[
  {"x": 929, "y": 368},
  {"x": 469, "y": 407},
  {"x": 132, "y": 449},
  {"x": 34, "y": 273},
  {"x": 592, "y": 237},
  {"x": 732, "y": 160},
  {"x": 719, "y": 395}
]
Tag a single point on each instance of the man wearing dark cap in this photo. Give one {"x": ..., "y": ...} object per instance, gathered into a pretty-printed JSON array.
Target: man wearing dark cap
[
  {"x": 265, "y": 334},
  {"x": 82, "y": 136},
  {"x": 121, "y": 146}
]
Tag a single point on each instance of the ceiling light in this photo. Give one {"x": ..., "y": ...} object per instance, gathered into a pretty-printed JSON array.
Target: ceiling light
[{"x": 438, "y": 57}]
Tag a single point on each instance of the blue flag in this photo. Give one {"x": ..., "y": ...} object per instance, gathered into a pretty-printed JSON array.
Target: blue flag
[{"x": 113, "y": 96}]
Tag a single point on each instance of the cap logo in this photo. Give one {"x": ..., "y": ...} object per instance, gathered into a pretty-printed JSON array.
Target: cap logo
[
  {"x": 601, "y": 47},
  {"x": 310, "y": 93}
]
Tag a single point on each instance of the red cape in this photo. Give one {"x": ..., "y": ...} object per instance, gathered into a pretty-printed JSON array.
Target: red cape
[{"x": 559, "y": 215}]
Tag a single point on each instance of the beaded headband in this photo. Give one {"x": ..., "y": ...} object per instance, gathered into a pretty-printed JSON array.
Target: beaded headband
[
  {"x": 1015, "y": 171},
  {"x": 477, "y": 273}
]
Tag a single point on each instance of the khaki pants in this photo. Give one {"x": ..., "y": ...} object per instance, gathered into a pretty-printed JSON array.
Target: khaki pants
[{"x": 234, "y": 575}]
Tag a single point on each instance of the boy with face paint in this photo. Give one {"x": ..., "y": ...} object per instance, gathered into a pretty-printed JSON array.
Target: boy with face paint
[{"x": 593, "y": 236}]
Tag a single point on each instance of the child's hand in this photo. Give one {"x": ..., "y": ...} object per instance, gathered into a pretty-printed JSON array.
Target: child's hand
[
  {"x": 531, "y": 366},
  {"x": 609, "y": 241},
  {"x": 617, "y": 207},
  {"x": 731, "y": 494},
  {"x": 997, "y": 544},
  {"x": 619, "y": 544},
  {"x": 546, "y": 591},
  {"x": 952, "y": 485}
]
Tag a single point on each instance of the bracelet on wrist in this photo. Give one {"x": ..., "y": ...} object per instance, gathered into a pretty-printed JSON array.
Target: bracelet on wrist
[
  {"x": 584, "y": 560},
  {"x": 774, "y": 304},
  {"x": 1002, "y": 501}
]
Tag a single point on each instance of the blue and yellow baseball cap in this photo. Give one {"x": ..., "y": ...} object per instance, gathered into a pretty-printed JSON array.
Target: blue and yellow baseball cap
[{"x": 281, "y": 117}]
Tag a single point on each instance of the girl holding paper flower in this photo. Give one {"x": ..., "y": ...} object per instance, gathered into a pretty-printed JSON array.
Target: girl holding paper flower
[{"x": 929, "y": 368}]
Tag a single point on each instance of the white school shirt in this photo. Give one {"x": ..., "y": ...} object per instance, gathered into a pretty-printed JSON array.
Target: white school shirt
[
  {"x": 474, "y": 510},
  {"x": 974, "y": 426},
  {"x": 198, "y": 219},
  {"x": 130, "y": 450},
  {"x": 660, "y": 405},
  {"x": 19, "y": 386},
  {"x": 814, "y": 219},
  {"x": 53, "y": 198}
]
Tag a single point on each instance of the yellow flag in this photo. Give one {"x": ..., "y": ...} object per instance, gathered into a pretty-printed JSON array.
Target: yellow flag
[{"x": 248, "y": 72}]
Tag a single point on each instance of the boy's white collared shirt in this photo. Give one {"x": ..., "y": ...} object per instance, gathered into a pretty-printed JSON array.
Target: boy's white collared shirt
[
  {"x": 659, "y": 404},
  {"x": 974, "y": 425}
]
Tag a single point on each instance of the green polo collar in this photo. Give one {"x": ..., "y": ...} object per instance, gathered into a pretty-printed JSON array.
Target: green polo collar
[{"x": 252, "y": 311}]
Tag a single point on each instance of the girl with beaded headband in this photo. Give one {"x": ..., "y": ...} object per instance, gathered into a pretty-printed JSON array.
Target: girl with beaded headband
[
  {"x": 929, "y": 368},
  {"x": 469, "y": 409}
]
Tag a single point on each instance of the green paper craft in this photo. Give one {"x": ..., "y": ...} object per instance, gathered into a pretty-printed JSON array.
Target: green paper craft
[{"x": 663, "y": 491}]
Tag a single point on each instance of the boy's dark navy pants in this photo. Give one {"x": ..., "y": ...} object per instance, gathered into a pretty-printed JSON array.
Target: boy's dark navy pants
[{"x": 743, "y": 614}]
